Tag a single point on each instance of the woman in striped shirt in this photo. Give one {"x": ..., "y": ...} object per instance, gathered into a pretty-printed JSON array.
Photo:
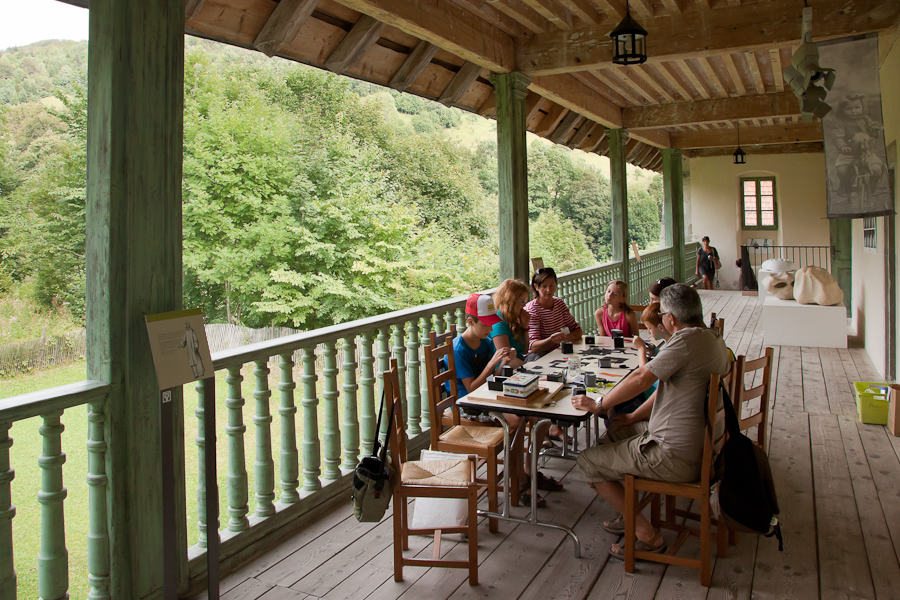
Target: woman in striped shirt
[{"x": 550, "y": 317}]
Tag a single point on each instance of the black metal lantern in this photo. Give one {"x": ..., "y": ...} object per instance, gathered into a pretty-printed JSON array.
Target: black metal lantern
[
  {"x": 629, "y": 41},
  {"x": 740, "y": 157}
]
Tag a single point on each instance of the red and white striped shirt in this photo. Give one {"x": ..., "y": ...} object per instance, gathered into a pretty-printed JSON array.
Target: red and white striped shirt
[{"x": 545, "y": 323}]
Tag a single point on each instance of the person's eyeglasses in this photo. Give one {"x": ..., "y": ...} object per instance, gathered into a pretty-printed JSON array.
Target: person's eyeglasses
[{"x": 662, "y": 314}]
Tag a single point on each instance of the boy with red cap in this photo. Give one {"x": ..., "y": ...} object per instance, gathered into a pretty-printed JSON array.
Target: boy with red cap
[{"x": 475, "y": 355}]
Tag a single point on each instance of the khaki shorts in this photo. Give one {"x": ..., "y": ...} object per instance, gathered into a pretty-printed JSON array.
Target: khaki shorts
[{"x": 638, "y": 455}]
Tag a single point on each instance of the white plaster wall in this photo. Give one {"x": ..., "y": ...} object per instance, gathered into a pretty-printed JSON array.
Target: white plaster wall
[
  {"x": 868, "y": 293},
  {"x": 715, "y": 204}
]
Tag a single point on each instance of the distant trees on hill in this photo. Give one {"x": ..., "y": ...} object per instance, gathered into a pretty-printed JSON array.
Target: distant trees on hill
[{"x": 309, "y": 198}]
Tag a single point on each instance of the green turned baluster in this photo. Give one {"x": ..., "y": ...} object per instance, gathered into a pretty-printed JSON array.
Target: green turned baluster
[
  {"x": 384, "y": 363},
  {"x": 460, "y": 320},
  {"x": 237, "y": 470},
  {"x": 400, "y": 354},
  {"x": 437, "y": 323},
  {"x": 200, "y": 441},
  {"x": 367, "y": 402},
  {"x": 351, "y": 419},
  {"x": 425, "y": 340},
  {"x": 449, "y": 319},
  {"x": 332, "y": 435},
  {"x": 413, "y": 397},
  {"x": 311, "y": 456},
  {"x": 98, "y": 534},
  {"x": 53, "y": 559},
  {"x": 263, "y": 466},
  {"x": 7, "y": 512},
  {"x": 289, "y": 468}
]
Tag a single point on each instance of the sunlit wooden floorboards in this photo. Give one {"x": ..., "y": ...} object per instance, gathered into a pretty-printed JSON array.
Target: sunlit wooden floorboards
[{"x": 838, "y": 483}]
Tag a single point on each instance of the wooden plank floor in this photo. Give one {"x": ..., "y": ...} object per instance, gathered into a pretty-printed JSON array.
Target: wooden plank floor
[{"x": 838, "y": 483}]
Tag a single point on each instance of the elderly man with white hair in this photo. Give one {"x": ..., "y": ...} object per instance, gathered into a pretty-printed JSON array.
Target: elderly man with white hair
[{"x": 669, "y": 446}]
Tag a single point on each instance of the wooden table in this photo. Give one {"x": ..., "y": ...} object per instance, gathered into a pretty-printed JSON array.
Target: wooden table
[{"x": 560, "y": 410}]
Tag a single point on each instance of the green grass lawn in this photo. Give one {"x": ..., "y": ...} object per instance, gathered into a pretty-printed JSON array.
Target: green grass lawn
[{"x": 27, "y": 447}]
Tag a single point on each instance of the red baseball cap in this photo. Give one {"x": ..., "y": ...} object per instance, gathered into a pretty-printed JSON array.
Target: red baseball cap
[{"x": 482, "y": 306}]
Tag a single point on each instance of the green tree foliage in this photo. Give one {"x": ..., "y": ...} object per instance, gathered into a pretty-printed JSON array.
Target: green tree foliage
[
  {"x": 39, "y": 70},
  {"x": 559, "y": 243}
]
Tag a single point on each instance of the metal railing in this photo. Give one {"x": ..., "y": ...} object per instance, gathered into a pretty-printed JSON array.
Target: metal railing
[
  {"x": 271, "y": 479},
  {"x": 801, "y": 256}
]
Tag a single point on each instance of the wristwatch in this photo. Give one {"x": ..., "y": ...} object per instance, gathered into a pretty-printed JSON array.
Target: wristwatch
[{"x": 599, "y": 402}]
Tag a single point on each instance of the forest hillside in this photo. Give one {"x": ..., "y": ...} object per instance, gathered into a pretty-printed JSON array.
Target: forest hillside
[{"x": 309, "y": 198}]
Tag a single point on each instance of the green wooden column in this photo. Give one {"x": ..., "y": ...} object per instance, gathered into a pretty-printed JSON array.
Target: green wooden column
[
  {"x": 512, "y": 164},
  {"x": 620, "y": 246},
  {"x": 673, "y": 208},
  {"x": 134, "y": 157}
]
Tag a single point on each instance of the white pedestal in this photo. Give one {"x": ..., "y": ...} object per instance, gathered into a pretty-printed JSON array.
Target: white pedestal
[{"x": 789, "y": 323}]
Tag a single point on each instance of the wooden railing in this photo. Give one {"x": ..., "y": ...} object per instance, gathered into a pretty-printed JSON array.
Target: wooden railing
[
  {"x": 339, "y": 389},
  {"x": 652, "y": 266},
  {"x": 690, "y": 262},
  {"x": 53, "y": 561}
]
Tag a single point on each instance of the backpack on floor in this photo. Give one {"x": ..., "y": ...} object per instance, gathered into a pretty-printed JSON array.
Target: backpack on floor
[{"x": 743, "y": 496}]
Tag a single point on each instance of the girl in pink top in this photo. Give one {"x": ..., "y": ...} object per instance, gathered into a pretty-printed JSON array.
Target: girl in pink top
[{"x": 615, "y": 312}]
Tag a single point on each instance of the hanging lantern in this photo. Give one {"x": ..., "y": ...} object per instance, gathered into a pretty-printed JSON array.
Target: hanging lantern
[
  {"x": 629, "y": 41},
  {"x": 740, "y": 157}
]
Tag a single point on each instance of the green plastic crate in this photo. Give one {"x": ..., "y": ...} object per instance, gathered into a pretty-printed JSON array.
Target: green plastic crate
[{"x": 872, "y": 401}]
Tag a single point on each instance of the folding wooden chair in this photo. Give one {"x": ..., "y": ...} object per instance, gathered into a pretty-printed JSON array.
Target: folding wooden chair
[
  {"x": 699, "y": 491},
  {"x": 453, "y": 478},
  {"x": 741, "y": 395},
  {"x": 482, "y": 440}
]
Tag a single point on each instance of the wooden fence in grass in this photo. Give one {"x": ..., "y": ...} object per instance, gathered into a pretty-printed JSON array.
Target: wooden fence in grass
[{"x": 43, "y": 352}]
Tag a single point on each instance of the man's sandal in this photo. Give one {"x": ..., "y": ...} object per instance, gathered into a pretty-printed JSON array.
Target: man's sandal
[
  {"x": 615, "y": 527},
  {"x": 525, "y": 499},
  {"x": 618, "y": 550}
]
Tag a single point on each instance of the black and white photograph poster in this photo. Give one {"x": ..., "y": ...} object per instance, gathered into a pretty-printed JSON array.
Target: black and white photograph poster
[{"x": 855, "y": 159}]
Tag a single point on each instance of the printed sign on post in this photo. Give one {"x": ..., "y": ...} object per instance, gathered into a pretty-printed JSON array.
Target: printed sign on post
[{"x": 179, "y": 347}]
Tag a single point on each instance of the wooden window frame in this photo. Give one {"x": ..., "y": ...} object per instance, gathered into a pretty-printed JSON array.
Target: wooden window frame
[
  {"x": 870, "y": 234},
  {"x": 746, "y": 227}
]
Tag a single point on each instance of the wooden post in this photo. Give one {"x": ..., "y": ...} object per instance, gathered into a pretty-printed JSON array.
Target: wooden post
[
  {"x": 673, "y": 208},
  {"x": 287, "y": 410},
  {"x": 512, "y": 164},
  {"x": 134, "y": 268},
  {"x": 619, "y": 191}
]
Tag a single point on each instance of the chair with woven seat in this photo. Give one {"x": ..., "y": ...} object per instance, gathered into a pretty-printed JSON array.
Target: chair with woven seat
[
  {"x": 451, "y": 478},
  {"x": 482, "y": 440},
  {"x": 742, "y": 395},
  {"x": 714, "y": 438}
]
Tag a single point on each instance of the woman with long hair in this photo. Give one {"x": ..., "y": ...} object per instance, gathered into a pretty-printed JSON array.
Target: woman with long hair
[{"x": 512, "y": 331}]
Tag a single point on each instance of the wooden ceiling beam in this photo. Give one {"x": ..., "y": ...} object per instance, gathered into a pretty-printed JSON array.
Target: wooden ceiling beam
[
  {"x": 642, "y": 8},
  {"x": 283, "y": 25},
  {"x": 446, "y": 25},
  {"x": 777, "y": 70},
  {"x": 710, "y": 111},
  {"x": 673, "y": 76},
  {"x": 691, "y": 35},
  {"x": 755, "y": 72},
  {"x": 412, "y": 67},
  {"x": 772, "y": 134},
  {"x": 736, "y": 79},
  {"x": 552, "y": 12},
  {"x": 712, "y": 76},
  {"x": 614, "y": 82},
  {"x": 672, "y": 6},
  {"x": 581, "y": 134},
  {"x": 613, "y": 9},
  {"x": 685, "y": 68},
  {"x": 460, "y": 83},
  {"x": 632, "y": 146},
  {"x": 191, "y": 8},
  {"x": 751, "y": 149},
  {"x": 551, "y": 120},
  {"x": 574, "y": 95},
  {"x": 361, "y": 37},
  {"x": 533, "y": 103},
  {"x": 592, "y": 138},
  {"x": 520, "y": 13},
  {"x": 642, "y": 72},
  {"x": 493, "y": 16},
  {"x": 565, "y": 127},
  {"x": 488, "y": 110},
  {"x": 590, "y": 80},
  {"x": 584, "y": 10}
]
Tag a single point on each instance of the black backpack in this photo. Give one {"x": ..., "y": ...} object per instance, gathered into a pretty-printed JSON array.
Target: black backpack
[{"x": 743, "y": 496}]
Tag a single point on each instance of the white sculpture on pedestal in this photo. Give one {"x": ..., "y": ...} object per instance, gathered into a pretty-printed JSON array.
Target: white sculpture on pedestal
[
  {"x": 815, "y": 285},
  {"x": 780, "y": 285}
]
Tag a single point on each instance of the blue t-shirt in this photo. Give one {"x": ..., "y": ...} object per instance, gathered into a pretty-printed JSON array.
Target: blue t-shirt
[
  {"x": 503, "y": 328},
  {"x": 469, "y": 362}
]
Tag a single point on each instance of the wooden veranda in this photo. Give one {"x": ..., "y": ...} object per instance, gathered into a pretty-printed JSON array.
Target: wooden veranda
[{"x": 837, "y": 481}]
